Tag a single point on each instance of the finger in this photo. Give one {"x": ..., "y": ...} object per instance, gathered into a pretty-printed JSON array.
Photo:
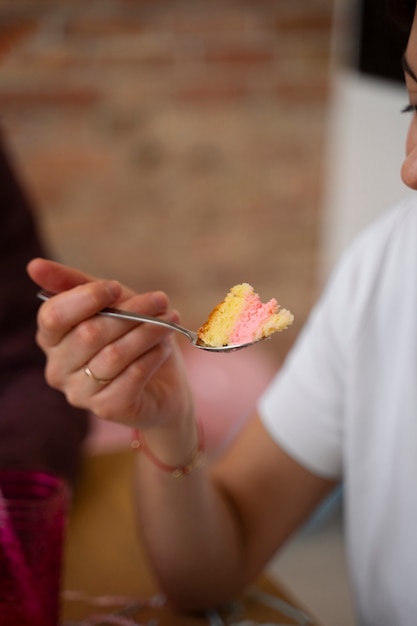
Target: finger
[
  {"x": 116, "y": 356},
  {"x": 54, "y": 276},
  {"x": 66, "y": 310},
  {"x": 120, "y": 398},
  {"x": 118, "y": 341}
]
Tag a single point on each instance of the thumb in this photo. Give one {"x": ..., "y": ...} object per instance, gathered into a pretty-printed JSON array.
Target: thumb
[{"x": 54, "y": 276}]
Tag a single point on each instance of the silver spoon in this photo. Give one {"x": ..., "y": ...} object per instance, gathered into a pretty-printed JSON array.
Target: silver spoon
[{"x": 139, "y": 317}]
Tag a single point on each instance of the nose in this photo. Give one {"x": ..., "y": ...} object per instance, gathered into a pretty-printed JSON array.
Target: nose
[{"x": 409, "y": 166}]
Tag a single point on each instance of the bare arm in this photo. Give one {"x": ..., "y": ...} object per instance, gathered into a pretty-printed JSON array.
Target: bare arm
[{"x": 211, "y": 533}]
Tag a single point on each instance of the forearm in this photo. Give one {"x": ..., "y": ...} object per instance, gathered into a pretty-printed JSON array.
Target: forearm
[{"x": 192, "y": 535}]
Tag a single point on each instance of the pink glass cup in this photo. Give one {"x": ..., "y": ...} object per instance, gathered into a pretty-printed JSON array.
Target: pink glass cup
[{"x": 33, "y": 515}]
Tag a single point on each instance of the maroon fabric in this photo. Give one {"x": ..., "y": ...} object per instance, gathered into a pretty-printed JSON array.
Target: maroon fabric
[{"x": 38, "y": 428}]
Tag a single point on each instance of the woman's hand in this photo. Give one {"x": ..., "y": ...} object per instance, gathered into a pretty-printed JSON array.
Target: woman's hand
[{"x": 136, "y": 375}]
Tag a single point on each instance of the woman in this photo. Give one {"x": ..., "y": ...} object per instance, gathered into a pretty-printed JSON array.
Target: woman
[{"x": 343, "y": 407}]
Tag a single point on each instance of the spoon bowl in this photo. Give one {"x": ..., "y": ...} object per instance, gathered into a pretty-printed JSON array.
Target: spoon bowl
[{"x": 140, "y": 317}]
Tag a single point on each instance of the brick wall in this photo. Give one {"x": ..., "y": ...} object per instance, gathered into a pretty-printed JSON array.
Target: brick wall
[{"x": 173, "y": 144}]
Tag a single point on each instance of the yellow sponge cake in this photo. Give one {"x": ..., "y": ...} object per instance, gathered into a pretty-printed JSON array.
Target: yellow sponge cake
[{"x": 242, "y": 318}]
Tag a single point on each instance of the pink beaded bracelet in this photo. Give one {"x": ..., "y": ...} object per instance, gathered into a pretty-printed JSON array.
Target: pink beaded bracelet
[{"x": 197, "y": 460}]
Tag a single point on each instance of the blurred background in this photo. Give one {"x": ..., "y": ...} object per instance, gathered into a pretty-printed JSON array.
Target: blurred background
[
  {"x": 171, "y": 144},
  {"x": 188, "y": 145}
]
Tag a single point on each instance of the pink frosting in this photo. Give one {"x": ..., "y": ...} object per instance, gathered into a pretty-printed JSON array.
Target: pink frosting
[{"x": 252, "y": 318}]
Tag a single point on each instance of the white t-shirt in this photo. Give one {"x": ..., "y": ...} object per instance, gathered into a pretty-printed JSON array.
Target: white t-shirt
[{"x": 345, "y": 406}]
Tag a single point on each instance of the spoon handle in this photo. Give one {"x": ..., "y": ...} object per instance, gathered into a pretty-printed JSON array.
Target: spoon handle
[
  {"x": 135, "y": 317},
  {"x": 141, "y": 317}
]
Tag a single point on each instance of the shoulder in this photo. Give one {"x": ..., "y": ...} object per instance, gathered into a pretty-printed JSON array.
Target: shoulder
[
  {"x": 397, "y": 226},
  {"x": 379, "y": 256},
  {"x": 303, "y": 408}
]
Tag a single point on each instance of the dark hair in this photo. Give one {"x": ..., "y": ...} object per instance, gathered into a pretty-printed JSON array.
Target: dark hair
[{"x": 402, "y": 12}]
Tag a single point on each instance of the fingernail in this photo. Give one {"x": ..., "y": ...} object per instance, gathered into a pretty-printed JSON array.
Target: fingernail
[
  {"x": 160, "y": 300},
  {"x": 113, "y": 288}
]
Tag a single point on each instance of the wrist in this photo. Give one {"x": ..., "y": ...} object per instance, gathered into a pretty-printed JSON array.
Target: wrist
[{"x": 173, "y": 457}]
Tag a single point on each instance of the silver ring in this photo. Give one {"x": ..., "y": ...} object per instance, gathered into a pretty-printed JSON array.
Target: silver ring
[{"x": 99, "y": 381}]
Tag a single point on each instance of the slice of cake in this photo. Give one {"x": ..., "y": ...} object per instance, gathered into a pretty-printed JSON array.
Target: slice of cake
[{"x": 243, "y": 318}]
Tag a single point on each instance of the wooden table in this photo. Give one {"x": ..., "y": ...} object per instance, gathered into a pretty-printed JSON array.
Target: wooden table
[{"x": 107, "y": 573}]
